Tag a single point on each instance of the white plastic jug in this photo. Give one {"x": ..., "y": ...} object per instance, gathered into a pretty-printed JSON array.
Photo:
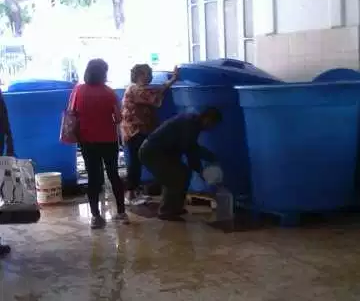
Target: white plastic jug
[
  {"x": 213, "y": 175},
  {"x": 225, "y": 204}
]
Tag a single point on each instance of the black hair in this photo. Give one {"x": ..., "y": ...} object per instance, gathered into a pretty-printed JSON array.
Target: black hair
[
  {"x": 213, "y": 114},
  {"x": 96, "y": 72},
  {"x": 137, "y": 70}
]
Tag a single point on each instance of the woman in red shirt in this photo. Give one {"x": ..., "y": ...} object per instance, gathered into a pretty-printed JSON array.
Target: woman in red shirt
[{"x": 97, "y": 109}]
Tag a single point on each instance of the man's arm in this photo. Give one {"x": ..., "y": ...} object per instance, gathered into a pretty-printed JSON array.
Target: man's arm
[{"x": 196, "y": 155}]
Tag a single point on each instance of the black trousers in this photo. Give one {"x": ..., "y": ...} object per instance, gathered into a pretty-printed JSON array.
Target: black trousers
[
  {"x": 171, "y": 173},
  {"x": 94, "y": 155},
  {"x": 134, "y": 166}
]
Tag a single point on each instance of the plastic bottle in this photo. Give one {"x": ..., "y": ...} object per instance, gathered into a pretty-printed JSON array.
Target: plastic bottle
[
  {"x": 7, "y": 187},
  {"x": 225, "y": 204},
  {"x": 18, "y": 193}
]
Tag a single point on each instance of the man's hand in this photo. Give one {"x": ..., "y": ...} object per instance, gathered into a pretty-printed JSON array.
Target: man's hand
[{"x": 201, "y": 176}]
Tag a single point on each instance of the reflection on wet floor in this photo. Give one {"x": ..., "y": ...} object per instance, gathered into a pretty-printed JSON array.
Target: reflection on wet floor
[{"x": 60, "y": 258}]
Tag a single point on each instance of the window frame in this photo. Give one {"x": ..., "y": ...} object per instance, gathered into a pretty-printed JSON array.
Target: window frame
[{"x": 222, "y": 44}]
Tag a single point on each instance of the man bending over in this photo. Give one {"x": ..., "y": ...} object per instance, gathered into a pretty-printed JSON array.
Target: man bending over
[{"x": 162, "y": 154}]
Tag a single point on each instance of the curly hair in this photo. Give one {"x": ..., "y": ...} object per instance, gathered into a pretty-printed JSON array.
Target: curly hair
[
  {"x": 137, "y": 70},
  {"x": 96, "y": 72}
]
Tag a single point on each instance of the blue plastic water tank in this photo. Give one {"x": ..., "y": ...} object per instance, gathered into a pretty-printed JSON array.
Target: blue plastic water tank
[
  {"x": 337, "y": 75},
  {"x": 120, "y": 93},
  {"x": 227, "y": 141},
  {"x": 303, "y": 143},
  {"x": 159, "y": 77},
  {"x": 39, "y": 85},
  {"x": 226, "y": 72},
  {"x": 35, "y": 121}
]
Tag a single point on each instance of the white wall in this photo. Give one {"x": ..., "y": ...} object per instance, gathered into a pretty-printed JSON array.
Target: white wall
[
  {"x": 263, "y": 17},
  {"x": 298, "y": 39},
  {"x": 293, "y": 39},
  {"x": 282, "y": 16},
  {"x": 352, "y": 12},
  {"x": 301, "y": 15}
]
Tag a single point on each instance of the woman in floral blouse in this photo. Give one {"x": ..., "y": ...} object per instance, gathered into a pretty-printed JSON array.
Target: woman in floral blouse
[{"x": 139, "y": 118}]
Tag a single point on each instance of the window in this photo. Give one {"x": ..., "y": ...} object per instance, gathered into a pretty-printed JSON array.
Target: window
[
  {"x": 231, "y": 28},
  {"x": 221, "y": 27},
  {"x": 249, "y": 51},
  {"x": 195, "y": 24},
  {"x": 248, "y": 18},
  {"x": 196, "y": 53},
  {"x": 211, "y": 18}
]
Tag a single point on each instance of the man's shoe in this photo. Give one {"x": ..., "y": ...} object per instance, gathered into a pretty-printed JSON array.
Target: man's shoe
[{"x": 170, "y": 217}]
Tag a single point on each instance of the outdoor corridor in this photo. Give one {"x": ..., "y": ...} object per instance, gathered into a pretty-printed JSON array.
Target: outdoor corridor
[{"x": 61, "y": 259}]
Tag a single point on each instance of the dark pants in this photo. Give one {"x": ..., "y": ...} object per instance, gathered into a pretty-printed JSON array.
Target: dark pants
[
  {"x": 94, "y": 154},
  {"x": 134, "y": 166},
  {"x": 170, "y": 171}
]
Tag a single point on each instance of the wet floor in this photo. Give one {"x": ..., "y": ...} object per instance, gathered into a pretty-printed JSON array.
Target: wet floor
[{"x": 61, "y": 259}]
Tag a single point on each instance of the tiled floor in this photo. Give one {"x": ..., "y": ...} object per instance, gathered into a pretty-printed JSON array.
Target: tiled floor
[{"x": 61, "y": 259}]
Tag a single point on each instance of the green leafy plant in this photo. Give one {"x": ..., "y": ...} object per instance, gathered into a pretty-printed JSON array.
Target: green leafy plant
[
  {"x": 118, "y": 12},
  {"x": 77, "y": 3},
  {"x": 16, "y": 15}
]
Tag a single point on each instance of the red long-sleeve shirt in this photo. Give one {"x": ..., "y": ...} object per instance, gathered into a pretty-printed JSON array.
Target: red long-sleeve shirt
[{"x": 98, "y": 112}]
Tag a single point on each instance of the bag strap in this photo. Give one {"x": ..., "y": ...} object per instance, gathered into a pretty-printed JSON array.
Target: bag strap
[{"x": 71, "y": 102}]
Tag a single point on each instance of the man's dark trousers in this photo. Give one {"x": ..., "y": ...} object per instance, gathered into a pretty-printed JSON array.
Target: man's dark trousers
[{"x": 172, "y": 174}]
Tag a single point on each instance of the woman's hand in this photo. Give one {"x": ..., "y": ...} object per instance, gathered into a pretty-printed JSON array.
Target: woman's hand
[
  {"x": 170, "y": 82},
  {"x": 175, "y": 74}
]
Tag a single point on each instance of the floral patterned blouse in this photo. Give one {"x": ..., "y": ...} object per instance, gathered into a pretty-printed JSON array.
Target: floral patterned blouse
[{"x": 139, "y": 110}]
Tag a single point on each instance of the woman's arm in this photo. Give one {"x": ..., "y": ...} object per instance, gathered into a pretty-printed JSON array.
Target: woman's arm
[
  {"x": 117, "y": 111},
  {"x": 143, "y": 95},
  {"x": 173, "y": 79}
]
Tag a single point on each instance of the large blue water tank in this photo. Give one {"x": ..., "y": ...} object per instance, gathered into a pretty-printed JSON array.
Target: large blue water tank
[
  {"x": 227, "y": 140},
  {"x": 35, "y": 121},
  {"x": 227, "y": 72},
  {"x": 337, "y": 74},
  {"x": 39, "y": 85},
  {"x": 303, "y": 144}
]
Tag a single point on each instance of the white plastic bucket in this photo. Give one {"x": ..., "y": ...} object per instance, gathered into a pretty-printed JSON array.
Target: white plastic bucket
[{"x": 48, "y": 188}]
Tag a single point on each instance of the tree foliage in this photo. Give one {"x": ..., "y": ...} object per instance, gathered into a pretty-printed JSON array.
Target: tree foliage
[
  {"x": 17, "y": 16},
  {"x": 77, "y": 3},
  {"x": 118, "y": 11}
]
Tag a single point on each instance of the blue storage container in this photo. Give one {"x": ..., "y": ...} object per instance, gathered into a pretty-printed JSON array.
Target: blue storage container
[
  {"x": 303, "y": 144},
  {"x": 225, "y": 72},
  {"x": 226, "y": 141},
  {"x": 39, "y": 85},
  {"x": 35, "y": 119},
  {"x": 159, "y": 77},
  {"x": 337, "y": 75},
  {"x": 120, "y": 93}
]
